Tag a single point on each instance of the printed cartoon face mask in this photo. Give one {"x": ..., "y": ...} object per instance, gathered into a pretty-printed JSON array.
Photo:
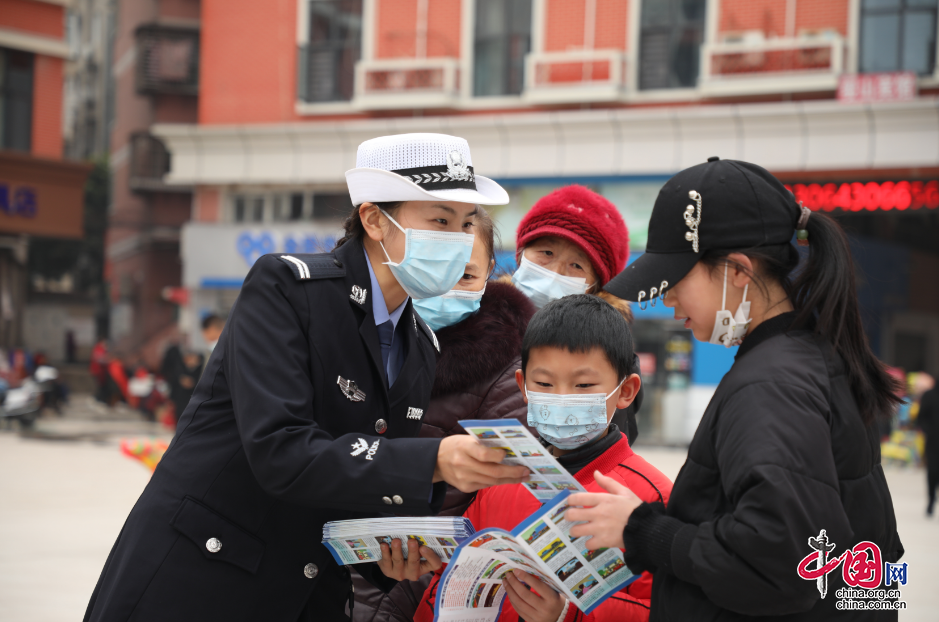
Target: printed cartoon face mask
[
  {"x": 433, "y": 262},
  {"x": 451, "y": 308},
  {"x": 729, "y": 330},
  {"x": 569, "y": 421},
  {"x": 542, "y": 285}
]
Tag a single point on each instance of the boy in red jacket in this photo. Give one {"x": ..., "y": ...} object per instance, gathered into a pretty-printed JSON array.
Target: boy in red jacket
[{"x": 576, "y": 347}]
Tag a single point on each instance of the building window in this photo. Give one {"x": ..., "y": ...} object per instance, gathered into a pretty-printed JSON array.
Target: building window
[
  {"x": 898, "y": 35},
  {"x": 502, "y": 38},
  {"x": 327, "y": 60},
  {"x": 289, "y": 207},
  {"x": 16, "y": 99},
  {"x": 671, "y": 33}
]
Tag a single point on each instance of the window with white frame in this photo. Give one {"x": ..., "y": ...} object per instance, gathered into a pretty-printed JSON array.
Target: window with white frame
[
  {"x": 502, "y": 38},
  {"x": 670, "y": 37},
  {"x": 326, "y": 62},
  {"x": 288, "y": 206},
  {"x": 898, "y": 35}
]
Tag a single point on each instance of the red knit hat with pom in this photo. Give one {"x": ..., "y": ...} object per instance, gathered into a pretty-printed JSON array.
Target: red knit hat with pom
[{"x": 584, "y": 218}]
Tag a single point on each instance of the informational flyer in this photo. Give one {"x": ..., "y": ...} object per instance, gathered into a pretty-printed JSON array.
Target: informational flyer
[
  {"x": 471, "y": 589},
  {"x": 548, "y": 477}
]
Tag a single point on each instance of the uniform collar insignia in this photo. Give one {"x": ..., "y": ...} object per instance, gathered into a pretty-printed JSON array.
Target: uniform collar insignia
[
  {"x": 358, "y": 294},
  {"x": 350, "y": 390}
]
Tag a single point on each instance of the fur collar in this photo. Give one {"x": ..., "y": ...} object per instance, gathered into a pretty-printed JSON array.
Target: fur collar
[{"x": 481, "y": 346}]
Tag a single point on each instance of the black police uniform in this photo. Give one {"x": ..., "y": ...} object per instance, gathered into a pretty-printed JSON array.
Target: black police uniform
[{"x": 274, "y": 443}]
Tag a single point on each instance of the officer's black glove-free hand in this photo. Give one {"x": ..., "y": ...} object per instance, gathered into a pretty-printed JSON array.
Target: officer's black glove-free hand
[{"x": 468, "y": 466}]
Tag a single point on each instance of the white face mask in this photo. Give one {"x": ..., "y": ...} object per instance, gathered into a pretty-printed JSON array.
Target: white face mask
[
  {"x": 542, "y": 285},
  {"x": 730, "y": 330},
  {"x": 568, "y": 421},
  {"x": 434, "y": 261}
]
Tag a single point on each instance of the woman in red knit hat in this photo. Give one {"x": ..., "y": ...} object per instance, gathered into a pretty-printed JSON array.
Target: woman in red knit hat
[{"x": 572, "y": 241}]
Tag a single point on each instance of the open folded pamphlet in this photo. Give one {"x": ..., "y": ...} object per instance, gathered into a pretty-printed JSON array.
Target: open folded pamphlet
[
  {"x": 470, "y": 588},
  {"x": 358, "y": 541},
  {"x": 548, "y": 477}
]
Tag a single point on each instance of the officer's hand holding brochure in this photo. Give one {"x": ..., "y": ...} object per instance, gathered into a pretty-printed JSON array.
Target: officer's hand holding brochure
[
  {"x": 358, "y": 541},
  {"x": 470, "y": 589},
  {"x": 548, "y": 477}
]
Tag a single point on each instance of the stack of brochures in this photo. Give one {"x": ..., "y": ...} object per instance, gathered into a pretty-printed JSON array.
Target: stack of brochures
[{"x": 359, "y": 541}]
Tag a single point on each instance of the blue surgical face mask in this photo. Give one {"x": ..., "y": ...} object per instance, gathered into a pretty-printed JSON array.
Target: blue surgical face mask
[
  {"x": 434, "y": 261},
  {"x": 569, "y": 421},
  {"x": 542, "y": 285},
  {"x": 451, "y": 308}
]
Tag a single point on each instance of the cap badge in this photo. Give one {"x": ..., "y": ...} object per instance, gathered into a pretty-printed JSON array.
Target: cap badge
[
  {"x": 692, "y": 221},
  {"x": 457, "y": 168}
]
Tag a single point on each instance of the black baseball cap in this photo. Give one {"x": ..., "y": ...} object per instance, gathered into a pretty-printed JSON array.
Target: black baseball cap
[{"x": 721, "y": 204}]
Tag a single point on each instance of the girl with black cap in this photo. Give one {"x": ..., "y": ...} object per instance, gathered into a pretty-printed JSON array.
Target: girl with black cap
[{"x": 783, "y": 475}]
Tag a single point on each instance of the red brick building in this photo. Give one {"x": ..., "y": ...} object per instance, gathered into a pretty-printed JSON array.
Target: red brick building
[
  {"x": 837, "y": 97},
  {"x": 156, "y": 80},
  {"x": 40, "y": 194}
]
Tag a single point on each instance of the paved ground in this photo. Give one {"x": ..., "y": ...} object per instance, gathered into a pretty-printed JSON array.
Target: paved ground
[{"x": 63, "y": 501}]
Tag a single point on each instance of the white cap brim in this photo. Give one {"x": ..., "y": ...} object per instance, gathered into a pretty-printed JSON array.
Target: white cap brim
[{"x": 376, "y": 185}]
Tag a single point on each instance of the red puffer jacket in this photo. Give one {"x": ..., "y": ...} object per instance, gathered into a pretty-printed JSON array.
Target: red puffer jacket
[{"x": 506, "y": 506}]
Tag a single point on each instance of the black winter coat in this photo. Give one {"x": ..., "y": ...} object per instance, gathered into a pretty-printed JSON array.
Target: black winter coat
[
  {"x": 780, "y": 454},
  {"x": 271, "y": 447}
]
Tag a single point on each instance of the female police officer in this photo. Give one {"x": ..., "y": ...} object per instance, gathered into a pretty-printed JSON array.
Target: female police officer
[{"x": 308, "y": 409}]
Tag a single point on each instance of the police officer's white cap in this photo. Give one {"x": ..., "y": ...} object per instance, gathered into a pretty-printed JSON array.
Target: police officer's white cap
[{"x": 419, "y": 167}]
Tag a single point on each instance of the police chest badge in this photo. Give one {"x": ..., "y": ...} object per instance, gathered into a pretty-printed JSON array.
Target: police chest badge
[
  {"x": 358, "y": 294},
  {"x": 415, "y": 413},
  {"x": 350, "y": 390}
]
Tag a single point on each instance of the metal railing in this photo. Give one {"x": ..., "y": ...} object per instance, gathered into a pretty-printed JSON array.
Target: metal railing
[
  {"x": 790, "y": 63},
  {"x": 149, "y": 162},
  {"x": 407, "y": 83},
  {"x": 167, "y": 60},
  {"x": 578, "y": 75}
]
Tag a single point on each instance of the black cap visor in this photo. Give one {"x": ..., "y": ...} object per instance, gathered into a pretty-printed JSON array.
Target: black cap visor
[{"x": 650, "y": 274}]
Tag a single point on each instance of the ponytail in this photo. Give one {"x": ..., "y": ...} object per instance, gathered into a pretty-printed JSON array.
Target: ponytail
[
  {"x": 824, "y": 294},
  {"x": 354, "y": 230}
]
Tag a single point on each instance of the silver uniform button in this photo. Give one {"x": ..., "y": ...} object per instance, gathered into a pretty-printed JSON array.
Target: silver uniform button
[
  {"x": 386, "y": 500},
  {"x": 380, "y": 426},
  {"x": 213, "y": 545},
  {"x": 310, "y": 571},
  {"x": 397, "y": 499}
]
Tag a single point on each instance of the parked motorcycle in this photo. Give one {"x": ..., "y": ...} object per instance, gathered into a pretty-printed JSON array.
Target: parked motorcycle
[{"x": 21, "y": 404}]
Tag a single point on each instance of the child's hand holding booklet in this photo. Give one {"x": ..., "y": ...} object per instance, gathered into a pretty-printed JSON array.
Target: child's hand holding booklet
[{"x": 471, "y": 590}]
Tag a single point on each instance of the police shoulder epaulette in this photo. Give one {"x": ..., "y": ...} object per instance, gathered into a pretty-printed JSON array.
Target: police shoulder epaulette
[
  {"x": 310, "y": 267},
  {"x": 427, "y": 331}
]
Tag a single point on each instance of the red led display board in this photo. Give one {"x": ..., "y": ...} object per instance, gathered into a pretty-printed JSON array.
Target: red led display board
[{"x": 870, "y": 196}]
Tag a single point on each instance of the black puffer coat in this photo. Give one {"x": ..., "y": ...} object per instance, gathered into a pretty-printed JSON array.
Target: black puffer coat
[{"x": 780, "y": 454}]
